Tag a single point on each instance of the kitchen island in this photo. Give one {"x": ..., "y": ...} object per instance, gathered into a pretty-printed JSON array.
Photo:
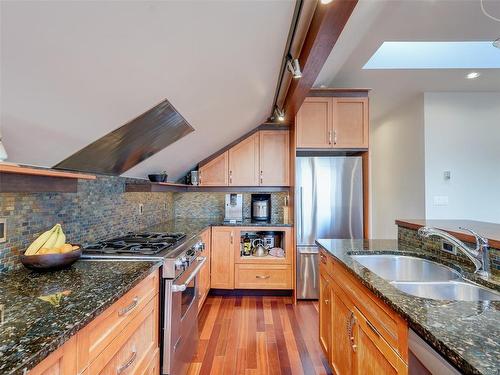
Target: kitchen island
[
  {"x": 465, "y": 333},
  {"x": 42, "y": 311}
]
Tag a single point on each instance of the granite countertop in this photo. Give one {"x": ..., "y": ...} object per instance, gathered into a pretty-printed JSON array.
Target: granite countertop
[
  {"x": 32, "y": 327},
  {"x": 466, "y": 333}
]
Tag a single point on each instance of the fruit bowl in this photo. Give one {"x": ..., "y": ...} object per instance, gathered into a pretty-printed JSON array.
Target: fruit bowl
[{"x": 51, "y": 262}]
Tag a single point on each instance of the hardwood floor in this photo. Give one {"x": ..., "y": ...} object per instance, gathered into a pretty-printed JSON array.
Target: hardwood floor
[{"x": 258, "y": 335}]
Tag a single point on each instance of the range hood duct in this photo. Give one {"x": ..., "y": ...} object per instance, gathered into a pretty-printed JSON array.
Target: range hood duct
[{"x": 130, "y": 144}]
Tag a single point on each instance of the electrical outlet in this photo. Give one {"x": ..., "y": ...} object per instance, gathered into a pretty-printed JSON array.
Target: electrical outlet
[
  {"x": 141, "y": 208},
  {"x": 3, "y": 229},
  {"x": 448, "y": 248}
]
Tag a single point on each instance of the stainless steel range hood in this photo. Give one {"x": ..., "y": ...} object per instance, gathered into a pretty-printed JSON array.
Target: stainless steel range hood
[{"x": 130, "y": 144}]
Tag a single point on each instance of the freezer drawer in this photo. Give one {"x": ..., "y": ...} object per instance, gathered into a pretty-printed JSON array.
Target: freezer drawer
[{"x": 307, "y": 273}]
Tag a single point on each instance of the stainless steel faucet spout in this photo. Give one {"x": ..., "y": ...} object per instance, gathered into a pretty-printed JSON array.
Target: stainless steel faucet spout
[{"x": 478, "y": 256}]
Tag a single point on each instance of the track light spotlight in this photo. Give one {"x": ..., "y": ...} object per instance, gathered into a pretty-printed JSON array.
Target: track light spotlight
[
  {"x": 496, "y": 43},
  {"x": 279, "y": 114},
  {"x": 293, "y": 67}
]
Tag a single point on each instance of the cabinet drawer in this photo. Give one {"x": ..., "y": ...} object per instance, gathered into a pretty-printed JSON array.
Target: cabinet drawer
[
  {"x": 132, "y": 351},
  {"x": 153, "y": 367},
  {"x": 263, "y": 276},
  {"x": 387, "y": 322},
  {"x": 99, "y": 333}
]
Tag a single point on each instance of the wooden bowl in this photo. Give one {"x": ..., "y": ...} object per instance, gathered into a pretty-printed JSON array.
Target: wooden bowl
[{"x": 51, "y": 262}]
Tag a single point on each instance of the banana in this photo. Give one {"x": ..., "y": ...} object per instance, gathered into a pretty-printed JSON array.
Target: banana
[
  {"x": 53, "y": 238},
  {"x": 40, "y": 241},
  {"x": 61, "y": 238}
]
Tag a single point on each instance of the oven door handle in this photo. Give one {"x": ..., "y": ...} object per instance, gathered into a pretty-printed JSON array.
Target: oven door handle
[{"x": 181, "y": 288}]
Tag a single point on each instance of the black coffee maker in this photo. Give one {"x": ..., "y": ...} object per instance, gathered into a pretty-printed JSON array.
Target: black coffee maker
[{"x": 261, "y": 207}]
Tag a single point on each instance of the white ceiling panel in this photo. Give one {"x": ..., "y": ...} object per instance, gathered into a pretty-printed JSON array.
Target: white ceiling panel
[{"x": 73, "y": 71}]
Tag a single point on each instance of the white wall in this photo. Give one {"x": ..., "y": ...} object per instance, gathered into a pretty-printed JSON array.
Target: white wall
[
  {"x": 462, "y": 135},
  {"x": 397, "y": 167}
]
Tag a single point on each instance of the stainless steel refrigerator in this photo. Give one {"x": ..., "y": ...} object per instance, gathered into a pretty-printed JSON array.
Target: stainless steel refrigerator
[{"x": 328, "y": 204}]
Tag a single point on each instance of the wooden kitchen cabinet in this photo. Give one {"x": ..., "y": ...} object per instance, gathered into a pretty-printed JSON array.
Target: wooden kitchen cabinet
[
  {"x": 274, "y": 158},
  {"x": 132, "y": 351},
  {"x": 244, "y": 162},
  {"x": 343, "y": 340},
  {"x": 263, "y": 276},
  {"x": 325, "y": 328},
  {"x": 124, "y": 336},
  {"x": 373, "y": 353},
  {"x": 215, "y": 172},
  {"x": 358, "y": 333},
  {"x": 261, "y": 159},
  {"x": 204, "y": 275},
  {"x": 224, "y": 242},
  {"x": 229, "y": 270},
  {"x": 60, "y": 362},
  {"x": 350, "y": 122},
  {"x": 314, "y": 123},
  {"x": 333, "y": 123}
]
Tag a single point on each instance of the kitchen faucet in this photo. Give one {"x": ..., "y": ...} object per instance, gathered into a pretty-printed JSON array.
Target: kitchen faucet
[{"x": 479, "y": 256}]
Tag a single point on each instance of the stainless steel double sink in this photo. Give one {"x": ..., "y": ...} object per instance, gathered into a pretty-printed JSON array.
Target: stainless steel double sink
[{"x": 424, "y": 278}]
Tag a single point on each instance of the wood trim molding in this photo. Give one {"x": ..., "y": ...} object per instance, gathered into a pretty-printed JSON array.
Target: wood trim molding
[
  {"x": 327, "y": 23},
  {"x": 339, "y": 93},
  {"x": 17, "y": 169},
  {"x": 264, "y": 126},
  {"x": 160, "y": 187}
]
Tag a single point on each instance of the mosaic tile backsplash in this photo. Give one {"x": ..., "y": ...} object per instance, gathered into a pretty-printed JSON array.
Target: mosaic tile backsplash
[
  {"x": 100, "y": 209},
  {"x": 410, "y": 239},
  {"x": 211, "y": 205}
]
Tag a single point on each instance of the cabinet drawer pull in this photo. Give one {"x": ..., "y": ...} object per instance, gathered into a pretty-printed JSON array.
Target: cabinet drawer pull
[
  {"x": 334, "y": 137},
  {"x": 262, "y": 277},
  {"x": 129, "y": 308},
  {"x": 372, "y": 327},
  {"x": 128, "y": 363},
  {"x": 351, "y": 321},
  {"x": 329, "y": 137}
]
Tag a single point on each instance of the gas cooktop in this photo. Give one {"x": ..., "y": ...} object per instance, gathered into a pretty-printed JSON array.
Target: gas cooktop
[{"x": 136, "y": 243}]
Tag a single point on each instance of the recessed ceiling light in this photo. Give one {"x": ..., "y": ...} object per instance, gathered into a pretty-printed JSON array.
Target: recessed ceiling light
[
  {"x": 473, "y": 75},
  {"x": 326, "y": 1}
]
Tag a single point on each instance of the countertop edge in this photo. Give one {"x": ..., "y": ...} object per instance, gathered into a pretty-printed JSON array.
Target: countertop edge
[
  {"x": 449, "y": 354},
  {"x": 41, "y": 355}
]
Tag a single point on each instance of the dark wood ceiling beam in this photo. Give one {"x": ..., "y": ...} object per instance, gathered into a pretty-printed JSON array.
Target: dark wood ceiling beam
[{"x": 326, "y": 26}]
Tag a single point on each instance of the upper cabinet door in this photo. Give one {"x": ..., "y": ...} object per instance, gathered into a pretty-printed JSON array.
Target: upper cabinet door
[
  {"x": 314, "y": 123},
  {"x": 214, "y": 173},
  {"x": 274, "y": 158},
  {"x": 244, "y": 162},
  {"x": 350, "y": 122}
]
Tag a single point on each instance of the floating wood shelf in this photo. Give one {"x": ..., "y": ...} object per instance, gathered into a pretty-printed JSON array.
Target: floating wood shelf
[
  {"x": 158, "y": 187},
  {"x": 19, "y": 179}
]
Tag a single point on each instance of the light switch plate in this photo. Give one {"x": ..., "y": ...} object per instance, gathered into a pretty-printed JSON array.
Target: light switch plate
[{"x": 440, "y": 200}]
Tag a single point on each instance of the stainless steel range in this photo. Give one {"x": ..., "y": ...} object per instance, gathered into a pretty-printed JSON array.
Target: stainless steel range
[{"x": 181, "y": 264}]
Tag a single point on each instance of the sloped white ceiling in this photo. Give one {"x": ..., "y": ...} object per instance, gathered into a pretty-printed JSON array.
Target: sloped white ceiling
[{"x": 73, "y": 71}]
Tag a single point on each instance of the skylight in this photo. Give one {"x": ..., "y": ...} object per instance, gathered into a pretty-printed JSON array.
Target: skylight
[{"x": 435, "y": 55}]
